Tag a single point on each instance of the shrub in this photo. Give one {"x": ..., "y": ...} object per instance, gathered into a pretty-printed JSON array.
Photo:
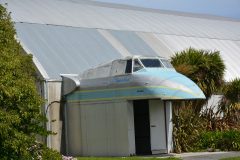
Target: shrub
[
  {"x": 224, "y": 140},
  {"x": 230, "y": 106},
  {"x": 187, "y": 125}
]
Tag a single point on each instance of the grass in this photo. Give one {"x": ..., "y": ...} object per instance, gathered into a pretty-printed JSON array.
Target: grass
[
  {"x": 126, "y": 158},
  {"x": 231, "y": 158}
]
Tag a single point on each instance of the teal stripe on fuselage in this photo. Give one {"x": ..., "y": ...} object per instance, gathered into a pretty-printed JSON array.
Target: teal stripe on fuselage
[{"x": 132, "y": 92}]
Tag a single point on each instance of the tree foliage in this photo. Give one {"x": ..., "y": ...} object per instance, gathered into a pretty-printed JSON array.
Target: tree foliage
[
  {"x": 205, "y": 68},
  {"x": 230, "y": 105},
  {"x": 20, "y": 116},
  {"x": 211, "y": 128},
  {"x": 232, "y": 91}
]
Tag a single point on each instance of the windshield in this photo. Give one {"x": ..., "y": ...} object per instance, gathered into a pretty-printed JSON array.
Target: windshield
[
  {"x": 151, "y": 63},
  {"x": 137, "y": 66},
  {"x": 166, "y": 63}
]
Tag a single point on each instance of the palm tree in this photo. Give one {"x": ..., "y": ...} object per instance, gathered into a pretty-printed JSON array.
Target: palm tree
[{"x": 205, "y": 68}]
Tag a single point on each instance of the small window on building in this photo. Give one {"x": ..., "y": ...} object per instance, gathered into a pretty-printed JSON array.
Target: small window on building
[
  {"x": 166, "y": 63},
  {"x": 129, "y": 66},
  {"x": 151, "y": 63},
  {"x": 137, "y": 66}
]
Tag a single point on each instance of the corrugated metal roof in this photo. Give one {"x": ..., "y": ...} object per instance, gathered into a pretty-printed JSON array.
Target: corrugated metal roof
[
  {"x": 89, "y": 15},
  {"x": 65, "y": 49},
  {"x": 133, "y": 43},
  {"x": 229, "y": 50},
  {"x": 69, "y": 36}
]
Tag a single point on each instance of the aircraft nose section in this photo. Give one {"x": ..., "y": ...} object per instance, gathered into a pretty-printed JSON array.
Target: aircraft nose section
[
  {"x": 184, "y": 87},
  {"x": 171, "y": 85}
]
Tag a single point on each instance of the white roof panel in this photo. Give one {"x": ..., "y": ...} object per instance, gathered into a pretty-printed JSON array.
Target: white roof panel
[
  {"x": 65, "y": 50},
  {"x": 69, "y": 36},
  {"x": 90, "y": 15},
  {"x": 229, "y": 50}
]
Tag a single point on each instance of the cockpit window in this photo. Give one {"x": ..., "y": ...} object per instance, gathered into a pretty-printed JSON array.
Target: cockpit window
[
  {"x": 129, "y": 66},
  {"x": 137, "y": 66},
  {"x": 151, "y": 63},
  {"x": 166, "y": 63}
]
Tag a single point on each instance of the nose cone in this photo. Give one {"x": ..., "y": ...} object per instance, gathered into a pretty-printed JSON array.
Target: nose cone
[
  {"x": 170, "y": 84},
  {"x": 184, "y": 87}
]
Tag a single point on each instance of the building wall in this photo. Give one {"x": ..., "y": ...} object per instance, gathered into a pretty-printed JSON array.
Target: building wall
[
  {"x": 72, "y": 125},
  {"x": 52, "y": 110},
  {"x": 131, "y": 131},
  {"x": 107, "y": 128},
  {"x": 169, "y": 126},
  {"x": 98, "y": 129}
]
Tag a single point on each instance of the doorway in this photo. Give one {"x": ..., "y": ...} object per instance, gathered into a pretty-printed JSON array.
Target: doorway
[{"x": 142, "y": 127}]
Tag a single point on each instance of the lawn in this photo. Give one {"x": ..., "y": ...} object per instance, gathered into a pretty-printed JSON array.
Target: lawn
[
  {"x": 126, "y": 158},
  {"x": 231, "y": 158}
]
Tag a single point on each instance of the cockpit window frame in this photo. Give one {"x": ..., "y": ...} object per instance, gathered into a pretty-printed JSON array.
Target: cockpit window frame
[
  {"x": 138, "y": 59},
  {"x": 129, "y": 66},
  {"x": 168, "y": 62},
  {"x": 133, "y": 64}
]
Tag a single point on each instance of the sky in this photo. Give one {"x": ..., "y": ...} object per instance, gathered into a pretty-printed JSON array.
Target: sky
[{"x": 225, "y": 8}]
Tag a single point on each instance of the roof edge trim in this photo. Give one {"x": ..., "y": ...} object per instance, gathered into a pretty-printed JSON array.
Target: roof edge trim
[{"x": 35, "y": 61}]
